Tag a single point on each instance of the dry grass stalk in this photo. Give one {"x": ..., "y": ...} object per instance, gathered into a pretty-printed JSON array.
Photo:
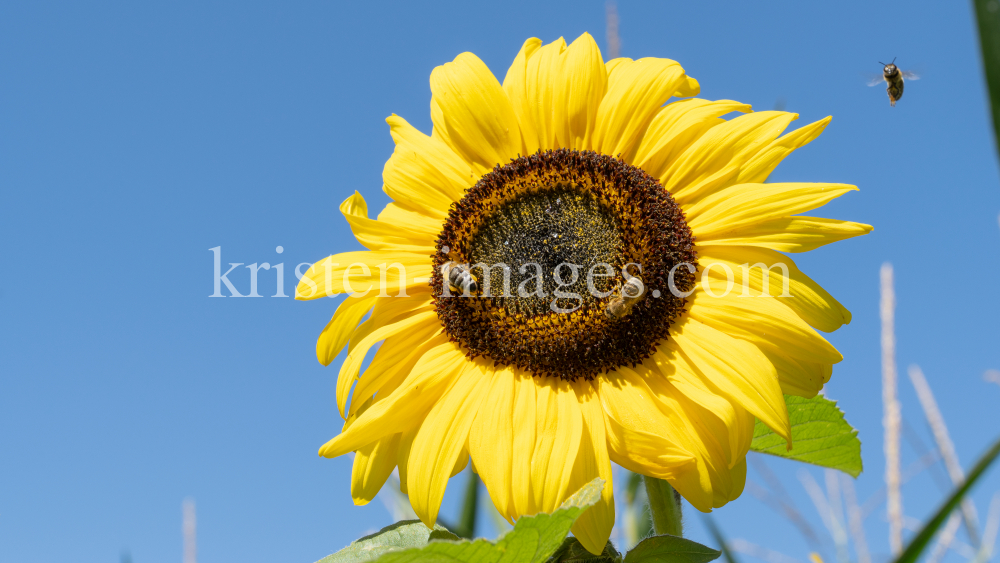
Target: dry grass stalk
[
  {"x": 992, "y": 376},
  {"x": 855, "y": 523},
  {"x": 614, "y": 43},
  {"x": 827, "y": 514},
  {"x": 945, "y": 538},
  {"x": 912, "y": 470},
  {"x": 777, "y": 497},
  {"x": 990, "y": 531},
  {"x": 945, "y": 446},
  {"x": 397, "y": 503},
  {"x": 753, "y": 550},
  {"x": 891, "y": 411},
  {"x": 789, "y": 512},
  {"x": 189, "y": 526},
  {"x": 957, "y": 546}
]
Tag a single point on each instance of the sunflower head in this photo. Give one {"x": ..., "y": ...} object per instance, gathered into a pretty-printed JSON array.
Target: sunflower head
[
  {"x": 575, "y": 272},
  {"x": 553, "y": 236}
]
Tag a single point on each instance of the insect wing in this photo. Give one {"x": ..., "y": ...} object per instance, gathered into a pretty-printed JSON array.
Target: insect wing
[
  {"x": 874, "y": 79},
  {"x": 910, "y": 75}
]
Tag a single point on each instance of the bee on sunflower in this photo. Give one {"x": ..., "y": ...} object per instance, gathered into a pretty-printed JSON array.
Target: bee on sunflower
[{"x": 574, "y": 161}]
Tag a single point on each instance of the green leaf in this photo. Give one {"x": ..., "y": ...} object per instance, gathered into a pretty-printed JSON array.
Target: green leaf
[
  {"x": 670, "y": 549},
  {"x": 447, "y": 552},
  {"x": 919, "y": 542},
  {"x": 401, "y": 535},
  {"x": 988, "y": 18},
  {"x": 572, "y": 551},
  {"x": 533, "y": 539},
  {"x": 820, "y": 436}
]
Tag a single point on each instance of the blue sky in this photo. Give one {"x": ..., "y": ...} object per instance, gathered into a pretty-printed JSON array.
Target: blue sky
[{"x": 135, "y": 137}]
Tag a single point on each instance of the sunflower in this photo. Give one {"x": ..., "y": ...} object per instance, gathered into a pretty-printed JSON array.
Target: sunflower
[{"x": 655, "y": 314}]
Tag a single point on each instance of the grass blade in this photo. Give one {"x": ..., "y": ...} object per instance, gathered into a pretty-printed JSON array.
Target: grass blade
[
  {"x": 919, "y": 542},
  {"x": 988, "y": 19}
]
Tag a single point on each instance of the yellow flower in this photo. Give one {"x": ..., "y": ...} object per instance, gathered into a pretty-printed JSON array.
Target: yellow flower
[{"x": 570, "y": 163}]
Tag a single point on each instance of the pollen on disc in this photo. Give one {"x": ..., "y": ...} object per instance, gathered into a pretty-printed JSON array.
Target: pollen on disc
[{"x": 531, "y": 232}]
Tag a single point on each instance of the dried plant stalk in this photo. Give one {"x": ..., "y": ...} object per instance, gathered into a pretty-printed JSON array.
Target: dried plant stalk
[
  {"x": 189, "y": 527},
  {"x": 945, "y": 538},
  {"x": 990, "y": 531},
  {"x": 855, "y": 522},
  {"x": 945, "y": 446},
  {"x": 891, "y": 411},
  {"x": 614, "y": 44}
]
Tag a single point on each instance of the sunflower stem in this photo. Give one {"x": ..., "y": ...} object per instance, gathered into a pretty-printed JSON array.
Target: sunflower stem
[
  {"x": 664, "y": 507},
  {"x": 466, "y": 527}
]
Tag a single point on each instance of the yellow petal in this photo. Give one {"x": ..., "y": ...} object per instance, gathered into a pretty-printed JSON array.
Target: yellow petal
[
  {"x": 737, "y": 423},
  {"x": 646, "y": 440},
  {"x": 746, "y": 204},
  {"x": 636, "y": 90},
  {"x": 423, "y": 172},
  {"x": 737, "y": 480},
  {"x": 788, "y": 234},
  {"x": 675, "y": 127},
  {"x": 471, "y": 113},
  {"x": 524, "y": 425},
  {"x": 377, "y": 235},
  {"x": 415, "y": 220},
  {"x": 738, "y": 368},
  {"x": 338, "y": 331},
  {"x": 782, "y": 279},
  {"x": 387, "y": 311},
  {"x": 515, "y": 86},
  {"x": 689, "y": 87},
  {"x": 361, "y": 271},
  {"x": 461, "y": 463},
  {"x": 762, "y": 320},
  {"x": 373, "y": 464},
  {"x": 710, "y": 432},
  {"x": 354, "y": 206},
  {"x": 558, "y": 432},
  {"x": 435, "y": 371},
  {"x": 392, "y": 363},
  {"x": 542, "y": 91},
  {"x": 593, "y": 527},
  {"x": 713, "y": 161},
  {"x": 583, "y": 82},
  {"x": 403, "y": 455},
  {"x": 613, "y": 64},
  {"x": 798, "y": 377},
  {"x": 491, "y": 439},
  {"x": 440, "y": 442},
  {"x": 423, "y": 315},
  {"x": 638, "y": 430},
  {"x": 760, "y": 166},
  {"x": 555, "y": 91}
]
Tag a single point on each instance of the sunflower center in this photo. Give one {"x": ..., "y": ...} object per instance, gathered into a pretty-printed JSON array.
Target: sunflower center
[
  {"x": 564, "y": 263},
  {"x": 549, "y": 240}
]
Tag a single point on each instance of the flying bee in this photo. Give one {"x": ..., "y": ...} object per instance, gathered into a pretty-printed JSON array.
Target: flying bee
[
  {"x": 459, "y": 277},
  {"x": 893, "y": 77},
  {"x": 631, "y": 293}
]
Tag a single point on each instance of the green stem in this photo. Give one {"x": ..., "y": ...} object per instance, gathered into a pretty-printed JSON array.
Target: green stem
[
  {"x": 664, "y": 507},
  {"x": 466, "y": 527}
]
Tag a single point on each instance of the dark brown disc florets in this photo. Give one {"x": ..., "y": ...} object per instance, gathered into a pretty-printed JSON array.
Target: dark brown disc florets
[{"x": 541, "y": 224}]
